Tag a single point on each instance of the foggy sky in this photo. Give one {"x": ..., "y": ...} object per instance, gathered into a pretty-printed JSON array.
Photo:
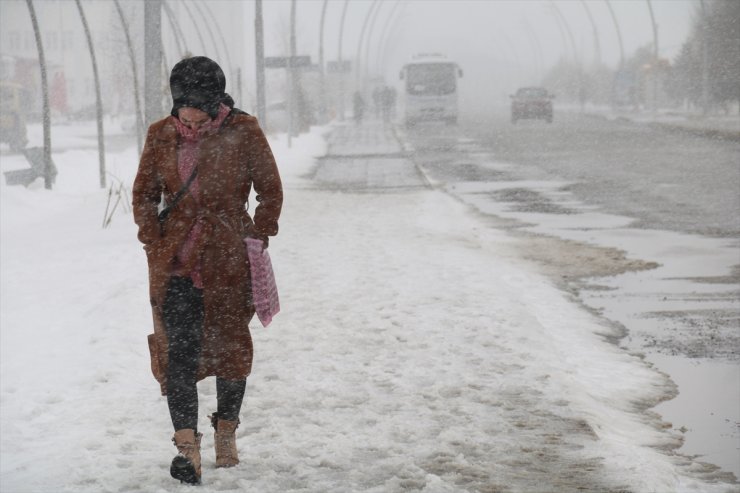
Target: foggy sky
[{"x": 484, "y": 30}]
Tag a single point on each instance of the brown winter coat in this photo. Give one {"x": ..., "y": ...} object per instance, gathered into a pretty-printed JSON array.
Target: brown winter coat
[{"x": 230, "y": 162}]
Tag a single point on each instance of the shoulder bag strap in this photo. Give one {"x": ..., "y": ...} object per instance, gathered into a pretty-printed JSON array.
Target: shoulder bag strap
[{"x": 166, "y": 211}]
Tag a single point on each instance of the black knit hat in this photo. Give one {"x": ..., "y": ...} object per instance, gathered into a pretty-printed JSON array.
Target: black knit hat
[{"x": 198, "y": 82}]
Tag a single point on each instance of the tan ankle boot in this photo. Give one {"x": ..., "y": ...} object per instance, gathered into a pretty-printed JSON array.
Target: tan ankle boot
[
  {"x": 186, "y": 464},
  {"x": 225, "y": 441}
]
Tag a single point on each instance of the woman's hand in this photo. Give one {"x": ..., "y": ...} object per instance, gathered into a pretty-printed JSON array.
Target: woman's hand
[{"x": 251, "y": 233}]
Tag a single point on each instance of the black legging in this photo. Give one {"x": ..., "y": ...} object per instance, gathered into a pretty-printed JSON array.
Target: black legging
[{"x": 183, "y": 312}]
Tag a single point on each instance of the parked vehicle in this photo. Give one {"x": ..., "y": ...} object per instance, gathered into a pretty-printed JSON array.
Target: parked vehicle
[
  {"x": 531, "y": 103},
  {"x": 12, "y": 118}
]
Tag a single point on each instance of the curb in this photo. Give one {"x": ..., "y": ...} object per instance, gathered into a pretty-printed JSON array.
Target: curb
[{"x": 409, "y": 152}]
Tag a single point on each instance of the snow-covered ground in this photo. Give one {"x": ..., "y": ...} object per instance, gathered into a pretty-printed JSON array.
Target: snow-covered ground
[{"x": 415, "y": 351}]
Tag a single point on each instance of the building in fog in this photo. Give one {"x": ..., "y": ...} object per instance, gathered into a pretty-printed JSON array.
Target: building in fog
[{"x": 69, "y": 69}]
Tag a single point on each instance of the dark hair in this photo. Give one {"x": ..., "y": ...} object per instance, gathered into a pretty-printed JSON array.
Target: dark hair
[{"x": 198, "y": 82}]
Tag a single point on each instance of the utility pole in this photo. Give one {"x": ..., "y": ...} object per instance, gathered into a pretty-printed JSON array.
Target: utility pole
[
  {"x": 259, "y": 46},
  {"x": 152, "y": 60}
]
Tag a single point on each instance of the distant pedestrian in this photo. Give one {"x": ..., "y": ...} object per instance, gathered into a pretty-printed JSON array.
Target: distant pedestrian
[
  {"x": 388, "y": 101},
  {"x": 204, "y": 159},
  {"x": 378, "y": 100},
  {"x": 358, "y": 106}
]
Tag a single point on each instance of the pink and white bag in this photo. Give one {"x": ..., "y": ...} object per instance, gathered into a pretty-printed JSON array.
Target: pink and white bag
[{"x": 264, "y": 289}]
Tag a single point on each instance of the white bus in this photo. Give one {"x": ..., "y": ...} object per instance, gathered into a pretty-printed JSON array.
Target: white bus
[{"x": 430, "y": 89}]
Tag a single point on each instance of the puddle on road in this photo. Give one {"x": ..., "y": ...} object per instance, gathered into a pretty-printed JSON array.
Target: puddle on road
[{"x": 678, "y": 295}]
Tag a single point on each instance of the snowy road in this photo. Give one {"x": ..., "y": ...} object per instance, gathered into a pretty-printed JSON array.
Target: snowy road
[
  {"x": 640, "y": 222},
  {"x": 416, "y": 351}
]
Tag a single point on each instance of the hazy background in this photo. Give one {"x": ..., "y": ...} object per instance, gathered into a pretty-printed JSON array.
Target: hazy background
[{"x": 499, "y": 44}]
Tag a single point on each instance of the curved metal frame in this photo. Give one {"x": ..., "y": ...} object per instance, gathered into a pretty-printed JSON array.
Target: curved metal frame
[
  {"x": 221, "y": 36},
  {"x": 358, "y": 70},
  {"x": 98, "y": 99},
  {"x": 196, "y": 26},
  {"x": 210, "y": 31},
  {"x": 46, "y": 117},
  {"x": 132, "y": 58},
  {"x": 176, "y": 30}
]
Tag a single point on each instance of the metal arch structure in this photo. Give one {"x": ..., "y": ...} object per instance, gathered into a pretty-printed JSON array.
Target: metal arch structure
[
  {"x": 597, "y": 44},
  {"x": 536, "y": 47},
  {"x": 381, "y": 41},
  {"x": 134, "y": 72},
  {"x": 44, "y": 97},
  {"x": 98, "y": 100},
  {"x": 619, "y": 33},
  {"x": 322, "y": 75},
  {"x": 195, "y": 25},
  {"x": 370, "y": 30},
  {"x": 339, "y": 58},
  {"x": 176, "y": 30},
  {"x": 221, "y": 36},
  {"x": 358, "y": 70},
  {"x": 561, "y": 18},
  {"x": 210, "y": 31},
  {"x": 391, "y": 34}
]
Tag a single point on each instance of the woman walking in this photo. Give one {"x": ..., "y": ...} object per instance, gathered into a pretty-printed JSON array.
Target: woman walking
[{"x": 204, "y": 159}]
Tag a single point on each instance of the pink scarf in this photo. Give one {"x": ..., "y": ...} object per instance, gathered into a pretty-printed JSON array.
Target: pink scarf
[{"x": 186, "y": 161}]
